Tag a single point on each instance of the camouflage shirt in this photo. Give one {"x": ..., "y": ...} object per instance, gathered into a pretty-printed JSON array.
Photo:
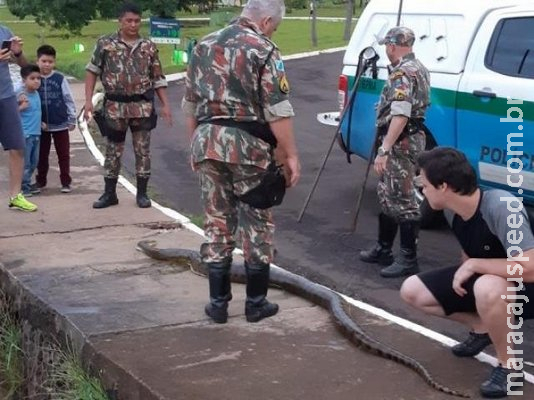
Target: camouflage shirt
[
  {"x": 235, "y": 73},
  {"x": 406, "y": 92},
  {"x": 127, "y": 70}
]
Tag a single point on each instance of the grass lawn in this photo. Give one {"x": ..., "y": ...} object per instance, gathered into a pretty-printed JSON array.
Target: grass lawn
[{"x": 293, "y": 36}]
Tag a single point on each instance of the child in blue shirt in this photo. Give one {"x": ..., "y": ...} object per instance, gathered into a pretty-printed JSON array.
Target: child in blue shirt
[{"x": 30, "y": 114}]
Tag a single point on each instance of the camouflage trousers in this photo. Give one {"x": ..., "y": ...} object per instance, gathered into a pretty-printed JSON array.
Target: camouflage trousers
[
  {"x": 396, "y": 189},
  {"x": 115, "y": 145},
  {"x": 226, "y": 218}
]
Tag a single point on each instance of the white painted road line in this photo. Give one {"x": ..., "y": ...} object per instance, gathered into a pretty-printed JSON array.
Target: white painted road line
[{"x": 186, "y": 222}]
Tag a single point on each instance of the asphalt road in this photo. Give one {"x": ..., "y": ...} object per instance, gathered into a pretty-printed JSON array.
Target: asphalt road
[{"x": 321, "y": 247}]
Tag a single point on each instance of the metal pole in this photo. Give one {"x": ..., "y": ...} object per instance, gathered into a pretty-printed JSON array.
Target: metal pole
[
  {"x": 303, "y": 210},
  {"x": 399, "y": 13},
  {"x": 342, "y": 115},
  {"x": 364, "y": 184}
]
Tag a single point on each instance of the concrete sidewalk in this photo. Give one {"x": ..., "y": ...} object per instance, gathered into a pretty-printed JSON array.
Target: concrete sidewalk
[{"x": 141, "y": 324}]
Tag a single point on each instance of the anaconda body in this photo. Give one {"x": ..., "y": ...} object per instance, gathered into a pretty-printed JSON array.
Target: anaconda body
[{"x": 310, "y": 291}]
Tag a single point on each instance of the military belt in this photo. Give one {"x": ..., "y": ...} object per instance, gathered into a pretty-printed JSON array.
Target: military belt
[
  {"x": 122, "y": 98},
  {"x": 255, "y": 128}
]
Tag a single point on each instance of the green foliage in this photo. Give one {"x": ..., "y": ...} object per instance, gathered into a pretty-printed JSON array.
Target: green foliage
[
  {"x": 73, "y": 15},
  {"x": 197, "y": 220},
  {"x": 69, "y": 14},
  {"x": 11, "y": 356},
  {"x": 71, "y": 381},
  {"x": 163, "y": 8},
  {"x": 107, "y": 9},
  {"x": 296, "y": 4},
  {"x": 292, "y": 37}
]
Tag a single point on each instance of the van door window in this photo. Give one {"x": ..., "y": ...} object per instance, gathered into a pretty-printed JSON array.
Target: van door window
[{"x": 511, "y": 49}]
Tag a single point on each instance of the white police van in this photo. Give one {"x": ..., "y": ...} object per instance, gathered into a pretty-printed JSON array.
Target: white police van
[{"x": 480, "y": 54}]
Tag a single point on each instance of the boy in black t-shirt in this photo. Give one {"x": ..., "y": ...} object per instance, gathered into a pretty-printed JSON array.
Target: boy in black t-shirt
[{"x": 490, "y": 289}]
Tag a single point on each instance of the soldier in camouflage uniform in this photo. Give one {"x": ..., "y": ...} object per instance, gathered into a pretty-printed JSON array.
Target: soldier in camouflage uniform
[
  {"x": 130, "y": 70},
  {"x": 236, "y": 88},
  {"x": 400, "y": 116}
]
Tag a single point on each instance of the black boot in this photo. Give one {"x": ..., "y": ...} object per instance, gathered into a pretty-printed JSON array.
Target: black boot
[
  {"x": 406, "y": 263},
  {"x": 109, "y": 198},
  {"x": 220, "y": 291},
  {"x": 142, "y": 199},
  {"x": 381, "y": 253},
  {"x": 256, "y": 306}
]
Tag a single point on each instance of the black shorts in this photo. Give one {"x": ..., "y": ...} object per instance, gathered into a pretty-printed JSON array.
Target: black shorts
[
  {"x": 439, "y": 283},
  {"x": 11, "y": 136}
]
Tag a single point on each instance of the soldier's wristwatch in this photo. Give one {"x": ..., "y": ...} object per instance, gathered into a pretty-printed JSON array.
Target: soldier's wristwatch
[{"x": 382, "y": 151}]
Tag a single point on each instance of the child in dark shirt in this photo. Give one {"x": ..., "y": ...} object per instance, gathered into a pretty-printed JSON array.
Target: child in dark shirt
[{"x": 59, "y": 115}]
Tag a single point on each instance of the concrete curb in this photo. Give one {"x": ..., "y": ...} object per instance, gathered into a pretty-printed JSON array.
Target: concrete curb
[{"x": 59, "y": 328}]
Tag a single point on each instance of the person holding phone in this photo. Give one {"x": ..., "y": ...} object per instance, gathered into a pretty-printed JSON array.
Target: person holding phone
[
  {"x": 11, "y": 136},
  {"x": 6, "y": 44}
]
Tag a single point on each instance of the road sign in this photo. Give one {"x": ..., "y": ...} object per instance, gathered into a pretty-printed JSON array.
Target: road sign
[{"x": 163, "y": 30}]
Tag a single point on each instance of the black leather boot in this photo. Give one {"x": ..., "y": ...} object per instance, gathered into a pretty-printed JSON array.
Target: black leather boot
[
  {"x": 220, "y": 291},
  {"x": 109, "y": 198},
  {"x": 406, "y": 263},
  {"x": 256, "y": 306},
  {"x": 381, "y": 253},
  {"x": 142, "y": 199}
]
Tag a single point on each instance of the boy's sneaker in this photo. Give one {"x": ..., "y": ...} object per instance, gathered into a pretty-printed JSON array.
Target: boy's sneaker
[
  {"x": 27, "y": 193},
  {"x": 66, "y": 189},
  {"x": 35, "y": 189},
  {"x": 474, "y": 344},
  {"x": 497, "y": 384},
  {"x": 20, "y": 203}
]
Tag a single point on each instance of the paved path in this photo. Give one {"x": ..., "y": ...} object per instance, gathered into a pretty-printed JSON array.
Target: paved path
[{"x": 141, "y": 322}]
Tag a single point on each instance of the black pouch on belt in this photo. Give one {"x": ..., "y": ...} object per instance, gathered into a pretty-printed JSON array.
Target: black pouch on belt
[
  {"x": 413, "y": 126},
  {"x": 153, "y": 119},
  {"x": 100, "y": 120},
  {"x": 271, "y": 190},
  {"x": 149, "y": 95}
]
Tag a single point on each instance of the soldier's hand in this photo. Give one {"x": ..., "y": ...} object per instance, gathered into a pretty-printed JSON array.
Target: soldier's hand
[
  {"x": 292, "y": 165},
  {"x": 166, "y": 114},
  {"x": 88, "y": 110},
  {"x": 380, "y": 164}
]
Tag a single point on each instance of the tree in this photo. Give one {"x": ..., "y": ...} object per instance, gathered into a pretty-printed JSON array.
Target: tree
[
  {"x": 73, "y": 15},
  {"x": 69, "y": 14},
  {"x": 348, "y": 20},
  {"x": 313, "y": 13}
]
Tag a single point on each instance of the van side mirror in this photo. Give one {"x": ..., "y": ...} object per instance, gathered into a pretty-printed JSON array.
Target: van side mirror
[
  {"x": 369, "y": 54},
  {"x": 367, "y": 57}
]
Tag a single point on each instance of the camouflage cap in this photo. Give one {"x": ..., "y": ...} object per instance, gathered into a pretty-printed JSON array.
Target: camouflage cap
[{"x": 400, "y": 36}]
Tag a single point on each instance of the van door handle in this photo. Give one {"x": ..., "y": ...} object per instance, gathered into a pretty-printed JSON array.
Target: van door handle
[{"x": 483, "y": 93}]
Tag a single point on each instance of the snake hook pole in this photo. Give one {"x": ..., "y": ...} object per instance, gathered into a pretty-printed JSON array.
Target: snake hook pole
[{"x": 348, "y": 106}]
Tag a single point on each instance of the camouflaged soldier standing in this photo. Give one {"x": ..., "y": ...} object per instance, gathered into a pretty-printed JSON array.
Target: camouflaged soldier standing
[
  {"x": 400, "y": 117},
  {"x": 237, "y": 90},
  {"x": 130, "y": 70}
]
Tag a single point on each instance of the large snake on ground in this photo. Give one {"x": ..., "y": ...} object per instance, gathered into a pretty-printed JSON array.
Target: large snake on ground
[{"x": 310, "y": 291}]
